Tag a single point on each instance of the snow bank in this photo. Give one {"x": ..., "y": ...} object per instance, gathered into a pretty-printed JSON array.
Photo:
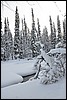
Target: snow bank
[
  {"x": 23, "y": 69},
  {"x": 11, "y": 71},
  {"x": 35, "y": 90},
  {"x": 9, "y": 78}
]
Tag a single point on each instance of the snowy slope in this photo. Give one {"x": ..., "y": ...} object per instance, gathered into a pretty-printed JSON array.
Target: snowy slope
[{"x": 35, "y": 90}]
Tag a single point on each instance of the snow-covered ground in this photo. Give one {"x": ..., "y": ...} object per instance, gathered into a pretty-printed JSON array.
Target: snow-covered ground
[
  {"x": 9, "y": 78},
  {"x": 22, "y": 67},
  {"x": 12, "y": 88},
  {"x": 35, "y": 90},
  {"x": 11, "y": 71}
]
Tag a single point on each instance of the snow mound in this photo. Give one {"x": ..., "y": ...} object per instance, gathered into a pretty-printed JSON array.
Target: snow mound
[
  {"x": 12, "y": 71},
  {"x": 9, "y": 79}
]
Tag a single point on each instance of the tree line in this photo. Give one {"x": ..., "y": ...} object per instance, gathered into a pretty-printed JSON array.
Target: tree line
[{"x": 25, "y": 43}]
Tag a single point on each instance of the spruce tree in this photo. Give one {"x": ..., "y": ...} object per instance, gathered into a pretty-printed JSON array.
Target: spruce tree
[
  {"x": 2, "y": 44},
  {"x": 24, "y": 38},
  {"x": 11, "y": 47},
  {"x": 59, "y": 37},
  {"x": 22, "y": 24},
  {"x": 26, "y": 41},
  {"x": 54, "y": 35},
  {"x": 10, "y": 41},
  {"x": 33, "y": 36},
  {"x": 5, "y": 38},
  {"x": 21, "y": 42},
  {"x": 51, "y": 27},
  {"x": 1, "y": 33},
  {"x": 39, "y": 32},
  {"x": 21, "y": 46},
  {"x": 45, "y": 39},
  {"x": 64, "y": 31},
  {"x": 29, "y": 53},
  {"x": 16, "y": 37}
]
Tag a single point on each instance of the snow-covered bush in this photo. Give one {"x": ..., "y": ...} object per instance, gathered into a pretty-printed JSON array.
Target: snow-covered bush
[
  {"x": 56, "y": 52},
  {"x": 50, "y": 71}
]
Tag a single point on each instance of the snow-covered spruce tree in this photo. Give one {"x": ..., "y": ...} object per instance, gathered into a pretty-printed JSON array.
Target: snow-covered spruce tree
[
  {"x": 51, "y": 35},
  {"x": 39, "y": 32},
  {"x": 61, "y": 62},
  {"x": 6, "y": 43},
  {"x": 54, "y": 35},
  {"x": 26, "y": 41},
  {"x": 22, "y": 25},
  {"x": 64, "y": 31},
  {"x": 29, "y": 51},
  {"x": 21, "y": 42},
  {"x": 49, "y": 71},
  {"x": 11, "y": 47},
  {"x": 43, "y": 62},
  {"x": 59, "y": 37},
  {"x": 2, "y": 45},
  {"x": 24, "y": 38},
  {"x": 33, "y": 36},
  {"x": 45, "y": 39},
  {"x": 16, "y": 37},
  {"x": 10, "y": 41},
  {"x": 1, "y": 33}
]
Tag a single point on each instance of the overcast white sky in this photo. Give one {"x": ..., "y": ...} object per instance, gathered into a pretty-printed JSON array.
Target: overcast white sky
[{"x": 42, "y": 10}]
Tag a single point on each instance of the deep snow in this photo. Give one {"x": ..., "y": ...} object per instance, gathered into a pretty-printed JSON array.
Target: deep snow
[
  {"x": 11, "y": 72},
  {"x": 35, "y": 90},
  {"x": 9, "y": 78}
]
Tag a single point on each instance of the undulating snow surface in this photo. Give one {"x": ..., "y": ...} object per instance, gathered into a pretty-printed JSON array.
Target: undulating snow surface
[
  {"x": 35, "y": 90},
  {"x": 11, "y": 71},
  {"x": 9, "y": 78}
]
